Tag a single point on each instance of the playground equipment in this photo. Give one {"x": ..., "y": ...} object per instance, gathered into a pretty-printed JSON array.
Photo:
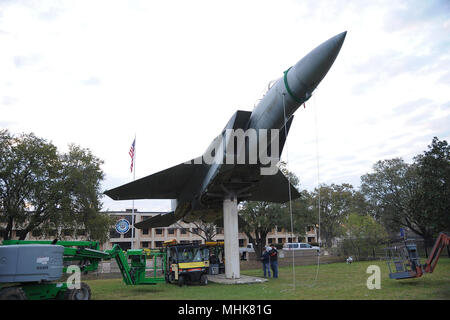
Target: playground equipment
[
  {"x": 28, "y": 269},
  {"x": 403, "y": 261},
  {"x": 186, "y": 263}
]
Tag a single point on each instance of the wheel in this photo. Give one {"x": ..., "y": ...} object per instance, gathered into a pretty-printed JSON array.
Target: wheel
[
  {"x": 181, "y": 281},
  {"x": 170, "y": 278},
  {"x": 84, "y": 293},
  {"x": 204, "y": 280},
  {"x": 12, "y": 293}
]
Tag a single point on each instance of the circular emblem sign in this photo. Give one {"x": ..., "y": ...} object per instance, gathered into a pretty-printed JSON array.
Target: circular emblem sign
[{"x": 122, "y": 226}]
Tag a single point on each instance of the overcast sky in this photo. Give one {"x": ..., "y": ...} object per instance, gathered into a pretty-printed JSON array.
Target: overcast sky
[{"x": 95, "y": 73}]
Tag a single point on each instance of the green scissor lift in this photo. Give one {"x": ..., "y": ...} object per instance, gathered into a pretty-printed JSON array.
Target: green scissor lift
[
  {"x": 135, "y": 273},
  {"x": 87, "y": 255}
]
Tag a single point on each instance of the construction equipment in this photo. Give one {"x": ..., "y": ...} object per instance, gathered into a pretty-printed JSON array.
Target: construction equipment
[
  {"x": 135, "y": 273},
  {"x": 187, "y": 263},
  {"x": 38, "y": 264},
  {"x": 403, "y": 260},
  {"x": 216, "y": 257},
  {"x": 29, "y": 269}
]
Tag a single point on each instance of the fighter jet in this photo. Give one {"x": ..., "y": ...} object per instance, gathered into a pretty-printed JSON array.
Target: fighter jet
[{"x": 200, "y": 186}]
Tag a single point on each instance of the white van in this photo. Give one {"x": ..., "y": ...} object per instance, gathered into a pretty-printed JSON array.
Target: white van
[
  {"x": 249, "y": 248},
  {"x": 299, "y": 246}
]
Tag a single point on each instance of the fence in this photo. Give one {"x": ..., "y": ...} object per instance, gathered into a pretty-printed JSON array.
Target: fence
[{"x": 345, "y": 248}]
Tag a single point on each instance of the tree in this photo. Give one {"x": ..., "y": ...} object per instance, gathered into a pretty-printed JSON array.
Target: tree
[
  {"x": 41, "y": 189},
  {"x": 390, "y": 190},
  {"x": 260, "y": 218},
  {"x": 433, "y": 192},
  {"x": 206, "y": 230},
  {"x": 415, "y": 196},
  {"x": 303, "y": 214},
  {"x": 362, "y": 233},
  {"x": 336, "y": 202}
]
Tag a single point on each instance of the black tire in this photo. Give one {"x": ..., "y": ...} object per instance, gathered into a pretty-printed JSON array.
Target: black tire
[
  {"x": 84, "y": 293},
  {"x": 181, "y": 281},
  {"x": 12, "y": 293},
  {"x": 204, "y": 280}
]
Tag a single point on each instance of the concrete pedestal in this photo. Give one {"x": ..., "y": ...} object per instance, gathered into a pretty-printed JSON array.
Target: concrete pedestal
[{"x": 230, "y": 230}]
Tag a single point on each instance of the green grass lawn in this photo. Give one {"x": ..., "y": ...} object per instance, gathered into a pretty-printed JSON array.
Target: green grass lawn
[{"x": 335, "y": 281}]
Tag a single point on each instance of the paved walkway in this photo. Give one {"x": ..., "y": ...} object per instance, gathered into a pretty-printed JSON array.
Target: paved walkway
[{"x": 220, "y": 278}]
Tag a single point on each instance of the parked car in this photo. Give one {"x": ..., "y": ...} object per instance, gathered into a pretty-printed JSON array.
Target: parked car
[
  {"x": 249, "y": 248},
  {"x": 300, "y": 246}
]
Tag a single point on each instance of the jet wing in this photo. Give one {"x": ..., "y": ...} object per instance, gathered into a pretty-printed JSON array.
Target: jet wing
[
  {"x": 161, "y": 220},
  {"x": 169, "y": 218},
  {"x": 166, "y": 184},
  {"x": 273, "y": 188}
]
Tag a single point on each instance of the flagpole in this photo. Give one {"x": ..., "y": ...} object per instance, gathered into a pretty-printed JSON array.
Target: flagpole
[{"x": 133, "y": 233}]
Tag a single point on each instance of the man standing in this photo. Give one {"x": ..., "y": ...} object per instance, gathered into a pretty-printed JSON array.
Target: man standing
[
  {"x": 265, "y": 259},
  {"x": 273, "y": 253}
]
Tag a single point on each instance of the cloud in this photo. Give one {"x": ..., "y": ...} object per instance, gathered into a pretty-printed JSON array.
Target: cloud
[
  {"x": 6, "y": 124},
  {"x": 92, "y": 81},
  {"x": 445, "y": 78},
  {"x": 8, "y": 101},
  {"x": 26, "y": 61},
  {"x": 415, "y": 14},
  {"x": 410, "y": 106}
]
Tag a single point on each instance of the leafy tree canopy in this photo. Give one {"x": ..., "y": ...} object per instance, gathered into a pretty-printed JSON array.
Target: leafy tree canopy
[{"x": 42, "y": 189}]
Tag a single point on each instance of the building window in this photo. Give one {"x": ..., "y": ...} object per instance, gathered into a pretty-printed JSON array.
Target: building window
[
  {"x": 280, "y": 240},
  {"x": 279, "y": 229},
  {"x": 145, "y": 231},
  {"x": 241, "y": 242},
  {"x": 171, "y": 230},
  {"x": 158, "y": 244},
  {"x": 159, "y": 231},
  {"x": 144, "y": 244},
  {"x": 270, "y": 240},
  {"x": 183, "y": 231},
  {"x": 114, "y": 234},
  {"x": 128, "y": 234}
]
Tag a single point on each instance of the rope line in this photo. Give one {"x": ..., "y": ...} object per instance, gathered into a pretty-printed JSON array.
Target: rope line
[
  {"x": 289, "y": 188},
  {"x": 318, "y": 183}
]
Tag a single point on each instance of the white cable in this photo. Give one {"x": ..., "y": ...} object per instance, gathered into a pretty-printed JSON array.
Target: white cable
[
  {"x": 318, "y": 182},
  {"x": 289, "y": 187}
]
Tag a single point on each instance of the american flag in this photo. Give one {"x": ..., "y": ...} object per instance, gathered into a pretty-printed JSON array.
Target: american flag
[{"x": 131, "y": 153}]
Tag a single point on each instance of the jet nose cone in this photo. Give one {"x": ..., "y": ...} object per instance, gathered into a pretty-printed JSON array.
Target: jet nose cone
[{"x": 306, "y": 74}]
